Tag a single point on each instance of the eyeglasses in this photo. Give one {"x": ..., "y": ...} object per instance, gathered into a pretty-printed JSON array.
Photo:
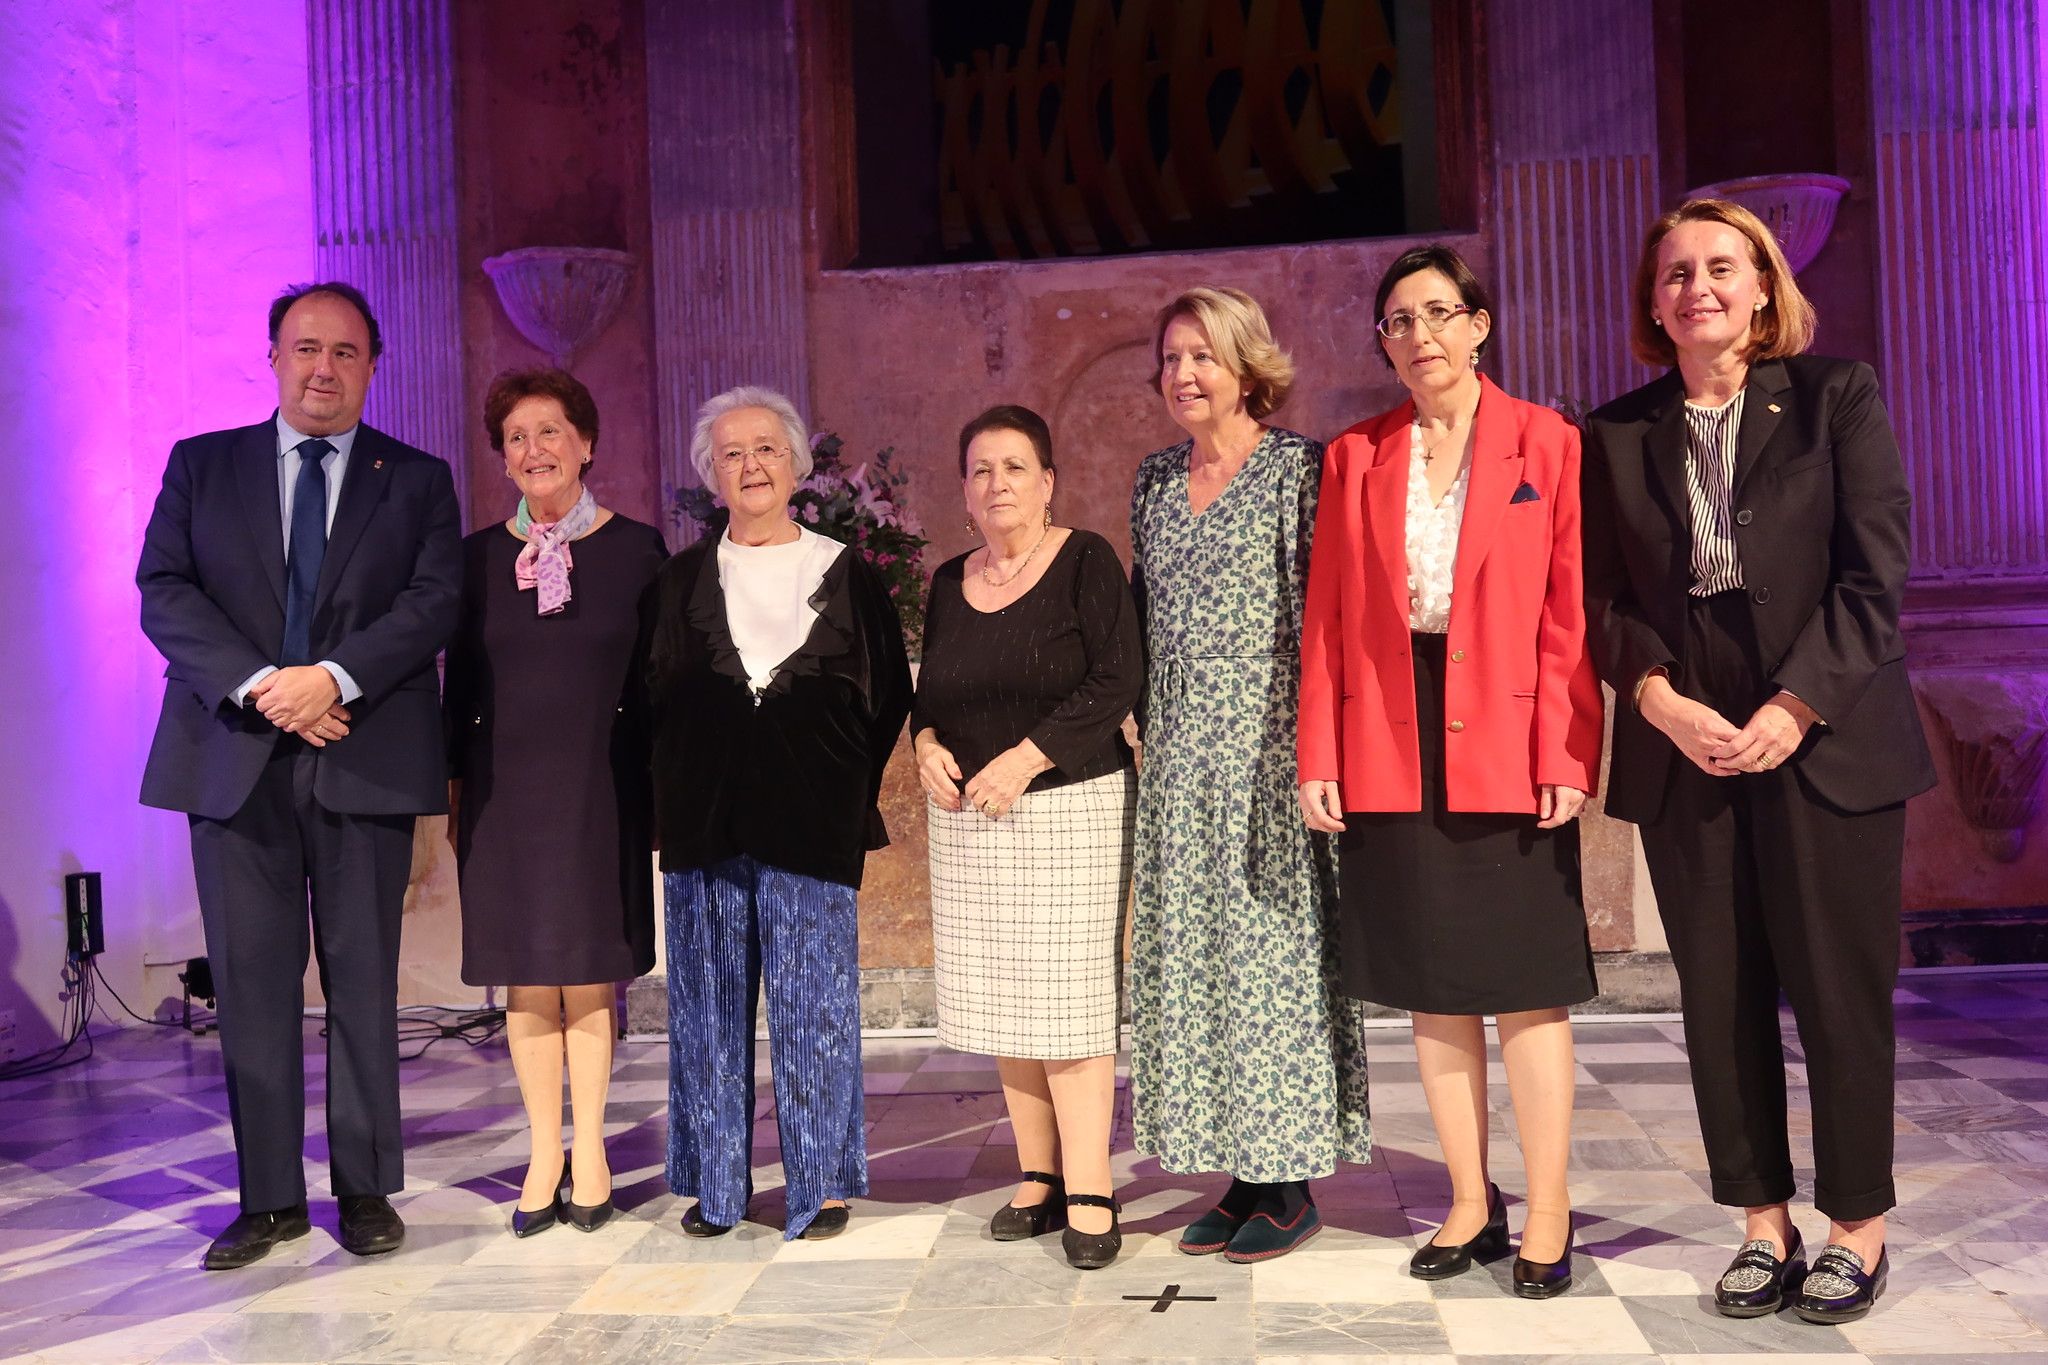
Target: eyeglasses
[
  {"x": 1435, "y": 316},
  {"x": 764, "y": 455}
]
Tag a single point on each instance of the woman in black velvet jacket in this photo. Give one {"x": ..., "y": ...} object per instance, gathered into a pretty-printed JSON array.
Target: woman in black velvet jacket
[{"x": 779, "y": 683}]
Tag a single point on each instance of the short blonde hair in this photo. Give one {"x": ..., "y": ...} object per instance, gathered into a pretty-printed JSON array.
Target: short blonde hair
[
  {"x": 1783, "y": 326},
  {"x": 1242, "y": 339},
  {"x": 749, "y": 396}
]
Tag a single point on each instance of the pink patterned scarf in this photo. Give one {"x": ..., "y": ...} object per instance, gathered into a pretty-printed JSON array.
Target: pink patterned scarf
[{"x": 545, "y": 561}]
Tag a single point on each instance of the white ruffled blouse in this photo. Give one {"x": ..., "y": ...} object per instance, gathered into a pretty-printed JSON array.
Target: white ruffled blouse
[{"x": 1432, "y": 541}]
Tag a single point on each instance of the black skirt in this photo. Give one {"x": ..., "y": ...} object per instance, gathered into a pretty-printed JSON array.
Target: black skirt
[{"x": 1458, "y": 913}]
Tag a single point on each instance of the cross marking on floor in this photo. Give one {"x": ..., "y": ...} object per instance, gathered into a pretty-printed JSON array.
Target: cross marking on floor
[{"x": 1172, "y": 1295}]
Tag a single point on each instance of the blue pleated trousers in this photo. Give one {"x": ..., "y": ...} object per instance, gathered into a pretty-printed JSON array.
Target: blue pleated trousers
[{"x": 733, "y": 928}]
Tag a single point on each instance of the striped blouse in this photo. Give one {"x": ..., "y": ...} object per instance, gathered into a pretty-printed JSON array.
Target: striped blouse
[{"x": 1710, "y": 488}]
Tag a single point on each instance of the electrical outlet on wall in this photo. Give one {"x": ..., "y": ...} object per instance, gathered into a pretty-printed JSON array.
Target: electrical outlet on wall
[{"x": 6, "y": 1035}]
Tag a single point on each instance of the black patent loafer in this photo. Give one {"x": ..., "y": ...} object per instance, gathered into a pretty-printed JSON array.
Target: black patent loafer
[
  {"x": 1264, "y": 1237},
  {"x": 369, "y": 1225},
  {"x": 1012, "y": 1224},
  {"x": 528, "y": 1222},
  {"x": 1545, "y": 1279},
  {"x": 1211, "y": 1232},
  {"x": 1755, "y": 1283},
  {"x": 830, "y": 1222},
  {"x": 588, "y": 1217},
  {"x": 1434, "y": 1262},
  {"x": 695, "y": 1224},
  {"x": 250, "y": 1237},
  {"x": 1839, "y": 1288},
  {"x": 1093, "y": 1250}
]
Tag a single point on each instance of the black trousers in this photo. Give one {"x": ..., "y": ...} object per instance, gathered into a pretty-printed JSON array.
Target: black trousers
[
  {"x": 257, "y": 872},
  {"x": 1766, "y": 887}
]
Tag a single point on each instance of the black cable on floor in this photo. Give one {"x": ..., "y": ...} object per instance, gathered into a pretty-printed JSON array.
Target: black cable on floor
[
  {"x": 76, "y": 992},
  {"x": 198, "y": 1022}
]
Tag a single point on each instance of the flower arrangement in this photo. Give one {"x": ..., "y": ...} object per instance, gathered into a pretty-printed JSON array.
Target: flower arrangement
[{"x": 861, "y": 507}]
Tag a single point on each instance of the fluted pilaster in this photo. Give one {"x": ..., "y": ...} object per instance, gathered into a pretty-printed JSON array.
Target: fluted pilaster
[
  {"x": 1575, "y": 145},
  {"x": 727, "y": 186},
  {"x": 383, "y": 102},
  {"x": 1962, "y": 191}
]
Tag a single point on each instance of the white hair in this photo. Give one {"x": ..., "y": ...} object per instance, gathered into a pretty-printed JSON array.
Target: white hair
[{"x": 749, "y": 396}]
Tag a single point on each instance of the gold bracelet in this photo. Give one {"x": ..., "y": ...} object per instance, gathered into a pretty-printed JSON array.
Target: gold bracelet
[{"x": 1635, "y": 699}]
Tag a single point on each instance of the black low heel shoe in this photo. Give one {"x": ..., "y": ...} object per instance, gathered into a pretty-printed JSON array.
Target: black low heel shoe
[
  {"x": 588, "y": 1217},
  {"x": 1093, "y": 1250},
  {"x": 695, "y": 1224},
  {"x": 526, "y": 1224},
  {"x": 1012, "y": 1224},
  {"x": 1433, "y": 1262},
  {"x": 1755, "y": 1283},
  {"x": 1541, "y": 1280},
  {"x": 1838, "y": 1288},
  {"x": 828, "y": 1222}
]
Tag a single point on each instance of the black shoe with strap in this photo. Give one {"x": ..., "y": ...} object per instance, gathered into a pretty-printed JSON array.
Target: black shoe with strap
[
  {"x": 1839, "y": 1288},
  {"x": 1013, "y": 1224},
  {"x": 1434, "y": 1262},
  {"x": 1755, "y": 1283},
  {"x": 1545, "y": 1279},
  {"x": 369, "y": 1225},
  {"x": 1093, "y": 1250},
  {"x": 250, "y": 1237}
]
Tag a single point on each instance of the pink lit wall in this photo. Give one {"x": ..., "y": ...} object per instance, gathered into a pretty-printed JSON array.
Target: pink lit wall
[{"x": 154, "y": 180}]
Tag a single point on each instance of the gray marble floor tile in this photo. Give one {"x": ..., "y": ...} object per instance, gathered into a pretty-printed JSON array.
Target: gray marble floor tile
[
  {"x": 1678, "y": 1324},
  {"x": 1112, "y": 1331},
  {"x": 286, "y": 1337},
  {"x": 546, "y": 1288},
  {"x": 436, "y": 1338},
  {"x": 809, "y": 1336},
  {"x": 997, "y": 1282},
  {"x": 1150, "y": 1274},
  {"x": 973, "y": 1333},
  {"x": 596, "y": 1339},
  {"x": 1349, "y": 1329},
  {"x": 789, "y": 1288}
]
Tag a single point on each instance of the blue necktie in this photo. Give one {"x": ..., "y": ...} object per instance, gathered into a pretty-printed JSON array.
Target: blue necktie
[{"x": 308, "y": 548}]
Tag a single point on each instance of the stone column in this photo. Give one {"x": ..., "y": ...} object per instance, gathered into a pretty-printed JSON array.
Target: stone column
[
  {"x": 1574, "y": 129},
  {"x": 381, "y": 74},
  {"x": 727, "y": 179},
  {"x": 1573, "y": 123},
  {"x": 1961, "y": 187}
]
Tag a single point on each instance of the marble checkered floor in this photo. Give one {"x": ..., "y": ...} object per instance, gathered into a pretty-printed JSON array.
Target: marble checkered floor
[{"x": 111, "y": 1180}]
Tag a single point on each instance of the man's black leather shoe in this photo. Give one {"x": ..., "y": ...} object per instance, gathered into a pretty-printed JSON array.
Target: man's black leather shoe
[
  {"x": 369, "y": 1225},
  {"x": 251, "y": 1236}
]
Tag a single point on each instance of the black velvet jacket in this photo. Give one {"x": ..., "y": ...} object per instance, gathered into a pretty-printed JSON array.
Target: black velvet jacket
[{"x": 791, "y": 778}]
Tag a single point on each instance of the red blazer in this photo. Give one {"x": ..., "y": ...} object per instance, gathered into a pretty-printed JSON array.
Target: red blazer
[{"x": 1522, "y": 705}]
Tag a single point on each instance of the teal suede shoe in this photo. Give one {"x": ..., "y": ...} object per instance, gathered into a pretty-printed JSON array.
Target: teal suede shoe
[
  {"x": 1211, "y": 1232},
  {"x": 1263, "y": 1237}
]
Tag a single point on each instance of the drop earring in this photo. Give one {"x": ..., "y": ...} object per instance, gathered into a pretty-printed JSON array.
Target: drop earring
[
  {"x": 972, "y": 529},
  {"x": 1048, "y": 513}
]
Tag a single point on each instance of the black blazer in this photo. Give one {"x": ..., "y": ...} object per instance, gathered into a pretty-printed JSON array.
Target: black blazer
[
  {"x": 1821, "y": 527},
  {"x": 793, "y": 779},
  {"x": 212, "y": 581}
]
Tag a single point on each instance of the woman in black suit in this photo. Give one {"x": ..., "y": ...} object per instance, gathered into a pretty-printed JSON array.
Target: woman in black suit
[{"x": 1746, "y": 549}]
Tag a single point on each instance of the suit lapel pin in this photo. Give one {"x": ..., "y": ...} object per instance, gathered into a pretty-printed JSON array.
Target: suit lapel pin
[
  {"x": 1774, "y": 408},
  {"x": 379, "y": 464}
]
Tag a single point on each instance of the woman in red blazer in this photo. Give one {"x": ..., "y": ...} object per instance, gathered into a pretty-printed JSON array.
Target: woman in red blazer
[{"x": 1450, "y": 732}]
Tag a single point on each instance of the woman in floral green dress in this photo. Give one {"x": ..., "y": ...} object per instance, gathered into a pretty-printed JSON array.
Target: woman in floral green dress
[{"x": 1245, "y": 1055}]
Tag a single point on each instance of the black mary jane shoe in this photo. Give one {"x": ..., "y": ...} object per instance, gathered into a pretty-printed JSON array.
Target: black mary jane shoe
[
  {"x": 695, "y": 1224},
  {"x": 1093, "y": 1250},
  {"x": 250, "y": 1237},
  {"x": 1012, "y": 1224},
  {"x": 1756, "y": 1282},
  {"x": 1839, "y": 1288},
  {"x": 829, "y": 1222},
  {"x": 1546, "y": 1279},
  {"x": 527, "y": 1222},
  {"x": 1434, "y": 1262}
]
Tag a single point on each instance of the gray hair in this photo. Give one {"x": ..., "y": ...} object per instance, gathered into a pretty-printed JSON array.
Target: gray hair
[{"x": 749, "y": 396}]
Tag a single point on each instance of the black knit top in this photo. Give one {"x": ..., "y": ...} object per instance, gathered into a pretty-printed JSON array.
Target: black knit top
[{"x": 1061, "y": 666}]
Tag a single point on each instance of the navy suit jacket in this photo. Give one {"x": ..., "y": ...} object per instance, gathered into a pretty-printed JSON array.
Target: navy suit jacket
[{"x": 213, "y": 585}]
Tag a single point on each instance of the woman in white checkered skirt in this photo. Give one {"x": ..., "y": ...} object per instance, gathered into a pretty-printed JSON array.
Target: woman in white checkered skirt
[{"x": 1031, "y": 662}]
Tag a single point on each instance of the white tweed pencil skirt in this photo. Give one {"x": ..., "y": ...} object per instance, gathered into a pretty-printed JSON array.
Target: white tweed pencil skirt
[{"x": 1028, "y": 920}]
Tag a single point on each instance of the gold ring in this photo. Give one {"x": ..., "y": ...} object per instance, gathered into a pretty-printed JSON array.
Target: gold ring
[
  {"x": 1766, "y": 761},
  {"x": 988, "y": 808}
]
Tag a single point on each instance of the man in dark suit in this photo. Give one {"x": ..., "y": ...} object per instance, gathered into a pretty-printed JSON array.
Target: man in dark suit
[{"x": 300, "y": 575}]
